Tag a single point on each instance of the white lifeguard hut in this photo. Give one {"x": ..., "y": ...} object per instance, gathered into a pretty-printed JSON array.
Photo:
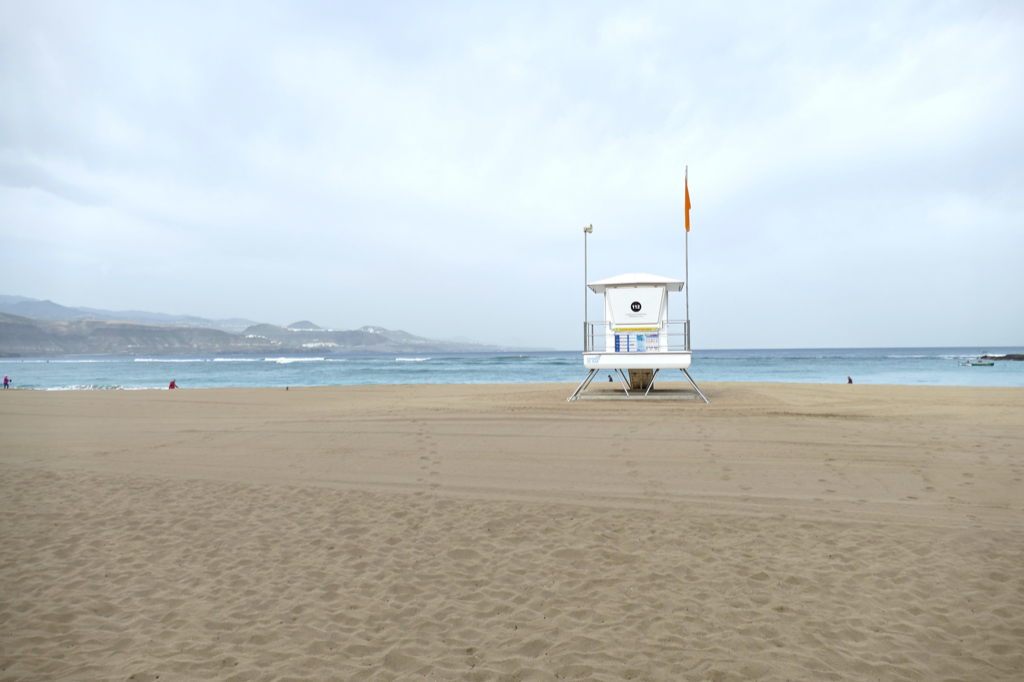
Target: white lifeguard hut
[{"x": 636, "y": 339}]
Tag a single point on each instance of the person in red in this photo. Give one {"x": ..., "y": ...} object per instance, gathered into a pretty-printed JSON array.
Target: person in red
[{"x": 173, "y": 385}]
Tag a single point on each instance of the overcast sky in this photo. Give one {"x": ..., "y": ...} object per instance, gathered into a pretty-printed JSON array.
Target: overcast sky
[{"x": 856, "y": 169}]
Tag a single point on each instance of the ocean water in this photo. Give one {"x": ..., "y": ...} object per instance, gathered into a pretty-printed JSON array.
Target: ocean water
[{"x": 910, "y": 366}]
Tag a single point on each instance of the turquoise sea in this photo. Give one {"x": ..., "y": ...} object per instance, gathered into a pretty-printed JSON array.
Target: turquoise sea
[{"x": 911, "y": 366}]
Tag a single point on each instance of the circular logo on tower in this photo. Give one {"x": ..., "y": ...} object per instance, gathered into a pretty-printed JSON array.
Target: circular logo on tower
[{"x": 635, "y": 306}]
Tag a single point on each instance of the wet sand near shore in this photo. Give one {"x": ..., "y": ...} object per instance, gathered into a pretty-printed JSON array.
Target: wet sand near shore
[{"x": 496, "y": 532}]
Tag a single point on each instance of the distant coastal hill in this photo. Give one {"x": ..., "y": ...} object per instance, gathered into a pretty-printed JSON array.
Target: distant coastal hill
[
  {"x": 48, "y": 310},
  {"x": 305, "y": 326},
  {"x": 59, "y": 330},
  {"x": 21, "y": 336}
]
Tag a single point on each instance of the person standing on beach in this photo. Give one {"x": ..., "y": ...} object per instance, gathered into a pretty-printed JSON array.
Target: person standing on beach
[
  {"x": 849, "y": 380},
  {"x": 7, "y": 381},
  {"x": 173, "y": 385}
]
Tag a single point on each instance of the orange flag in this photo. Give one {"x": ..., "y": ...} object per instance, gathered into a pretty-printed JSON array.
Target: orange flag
[{"x": 686, "y": 184}]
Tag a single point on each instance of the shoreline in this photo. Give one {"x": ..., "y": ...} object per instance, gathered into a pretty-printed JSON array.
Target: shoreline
[{"x": 570, "y": 385}]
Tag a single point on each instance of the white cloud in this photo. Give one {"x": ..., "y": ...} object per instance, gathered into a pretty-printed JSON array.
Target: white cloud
[{"x": 349, "y": 165}]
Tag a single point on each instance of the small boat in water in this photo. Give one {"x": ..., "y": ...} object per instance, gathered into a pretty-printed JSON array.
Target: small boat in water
[{"x": 976, "y": 362}]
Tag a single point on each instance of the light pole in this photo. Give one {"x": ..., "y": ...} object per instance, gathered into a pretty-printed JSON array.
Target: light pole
[{"x": 589, "y": 229}]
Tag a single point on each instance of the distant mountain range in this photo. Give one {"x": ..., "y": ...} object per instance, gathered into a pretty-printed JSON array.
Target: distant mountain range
[
  {"x": 48, "y": 310},
  {"x": 32, "y": 327}
]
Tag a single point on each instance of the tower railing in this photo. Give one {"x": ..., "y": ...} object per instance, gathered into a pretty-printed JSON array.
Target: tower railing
[{"x": 598, "y": 333}]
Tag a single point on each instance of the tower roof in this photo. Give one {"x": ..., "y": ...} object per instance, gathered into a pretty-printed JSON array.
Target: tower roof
[{"x": 636, "y": 279}]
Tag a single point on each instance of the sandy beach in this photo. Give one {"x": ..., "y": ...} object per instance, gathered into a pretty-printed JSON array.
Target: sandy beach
[{"x": 800, "y": 532}]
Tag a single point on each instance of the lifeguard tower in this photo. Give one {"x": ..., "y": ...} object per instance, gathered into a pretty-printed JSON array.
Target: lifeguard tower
[{"x": 636, "y": 339}]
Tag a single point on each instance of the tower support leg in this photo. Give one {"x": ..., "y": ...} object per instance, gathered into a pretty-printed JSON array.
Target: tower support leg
[
  {"x": 651, "y": 385},
  {"x": 694, "y": 385},
  {"x": 583, "y": 384},
  {"x": 622, "y": 381},
  {"x": 589, "y": 380}
]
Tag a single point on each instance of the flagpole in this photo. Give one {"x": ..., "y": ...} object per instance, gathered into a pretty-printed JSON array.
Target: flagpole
[
  {"x": 687, "y": 275},
  {"x": 589, "y": 229}
]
